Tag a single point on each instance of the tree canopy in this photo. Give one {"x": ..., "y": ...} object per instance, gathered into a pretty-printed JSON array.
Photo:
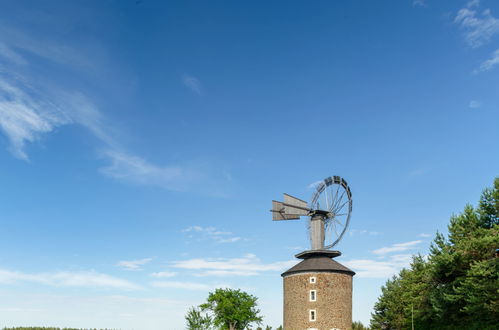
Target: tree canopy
[
  {"x": 357, "y": 325},
  {"x": 197, "y": 321},
  {"x": 457, "y": 285},
  {"x": 232, "y": 309}
]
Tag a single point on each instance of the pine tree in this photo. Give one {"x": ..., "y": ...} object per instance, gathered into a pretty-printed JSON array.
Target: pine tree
[{"x": 457, "y": 286}]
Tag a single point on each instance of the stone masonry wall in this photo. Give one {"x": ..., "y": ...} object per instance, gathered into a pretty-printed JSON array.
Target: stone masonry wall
[{"x": 333, "y": 303}]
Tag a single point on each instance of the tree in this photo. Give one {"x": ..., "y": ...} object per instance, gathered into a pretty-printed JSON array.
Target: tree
[
  {"x": 357, "y": 325},
  {"x": 232, "y": 309},
  {"x": 456, "y": 286},
  {"x": 197, "y": 321}
]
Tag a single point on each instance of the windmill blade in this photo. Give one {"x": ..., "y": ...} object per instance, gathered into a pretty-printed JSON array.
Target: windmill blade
[
  {"x": 279, "y": 212},
  {"x": 291, "y": 209},
  {"x": 276, "y": 216},
  {"x": 293, "y": 205},
  {"x": 291, "y": 200}
]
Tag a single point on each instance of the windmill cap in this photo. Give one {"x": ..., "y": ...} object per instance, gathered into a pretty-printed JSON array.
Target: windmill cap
[
  {"x": 318, "y": 253},
  {"x": 318, "y": 261},
  {"x": 318, "y": 264}
]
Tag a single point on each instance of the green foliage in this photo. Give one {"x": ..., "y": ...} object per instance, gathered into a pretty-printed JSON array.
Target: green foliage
[
  {"x": 457, "y": 286},
  {"x": 268, "y": 327},
  {"x": 197, "y": 321},
  {"x": 232, "y": 309},
  {"x": 357, "y": 325}
]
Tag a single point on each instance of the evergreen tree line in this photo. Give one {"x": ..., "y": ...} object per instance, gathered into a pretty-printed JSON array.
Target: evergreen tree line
[{"x": 457, "y": 285}]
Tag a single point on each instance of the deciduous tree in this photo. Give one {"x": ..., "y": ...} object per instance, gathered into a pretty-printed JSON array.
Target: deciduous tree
[
  {"x": 232, "y": 309},
  {"x": 197, "y": 321}
]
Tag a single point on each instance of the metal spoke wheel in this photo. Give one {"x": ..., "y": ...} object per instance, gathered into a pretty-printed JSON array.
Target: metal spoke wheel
[{"x": 333, "y": 199}]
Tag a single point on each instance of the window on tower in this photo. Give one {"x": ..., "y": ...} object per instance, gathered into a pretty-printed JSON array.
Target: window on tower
[
  {"x": 313, "y": 315},
  {"x": 312, "y": 279},
  {"x": 313, "y": 295}
]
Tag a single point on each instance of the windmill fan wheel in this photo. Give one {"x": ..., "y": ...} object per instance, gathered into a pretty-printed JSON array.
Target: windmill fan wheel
[{"x": 333, "y": 198}]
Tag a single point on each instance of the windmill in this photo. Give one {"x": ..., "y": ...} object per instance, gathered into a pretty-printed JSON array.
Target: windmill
[
  {"x": 328, "y": 212},
  {"x": 317, "y": 292}
]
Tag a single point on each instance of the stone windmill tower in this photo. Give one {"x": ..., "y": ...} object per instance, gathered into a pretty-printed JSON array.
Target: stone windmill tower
[{"x": 318, "y": 290}]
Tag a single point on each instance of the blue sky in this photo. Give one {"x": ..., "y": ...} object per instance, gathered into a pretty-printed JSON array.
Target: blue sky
[{"x": 141, "y": 143}]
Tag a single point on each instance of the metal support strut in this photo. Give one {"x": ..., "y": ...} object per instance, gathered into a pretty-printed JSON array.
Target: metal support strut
[{"x": 317, "y": 234}]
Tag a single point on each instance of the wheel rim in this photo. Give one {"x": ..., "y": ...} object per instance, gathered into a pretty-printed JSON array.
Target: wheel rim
[{"x": 333, "y": 196}]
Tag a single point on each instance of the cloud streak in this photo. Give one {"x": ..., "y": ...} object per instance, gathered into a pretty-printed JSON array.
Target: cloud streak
[
  {"x": 23, "y": 118},
  {"x": 489, "y": 64},
  {"x": 181, "y": 285},
  {"x": 213, "y": 234},
  {"x": 249, "y": 265},
  {"x": 353, "y": 232},
  {"x": 32, "y": 106},
  {"x": 397, "y": 247},
  {"x": 419, "y": 3},
  {"x": 10, "y": 55},
  {"x": 193, "y": 84},
  {"x": 163, "y": 274},
  {"x": 133, "y": 264},
  {"x": 134, "y": 169},
  {"x": 68, "y": 279},
  {"x": 474, "y": 104},
  {"x": 478, "y": 27},
  {"x": 367, "y": 268}
]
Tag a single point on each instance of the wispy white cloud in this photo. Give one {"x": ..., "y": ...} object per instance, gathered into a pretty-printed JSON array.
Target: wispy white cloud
[
  {"x": 32, "y": 106},
  {"x": 193, "y": 83},
  {"x": 249, "y": 265},
  {"x": 489, "y": 64},
  {"x": 134, "y": 169},
  {"x": 163, "y": 274},
  {"x": 214, "y": 234},
  {"x": 474, "y": 104},
  {"x": 10, "y": 55},
  {"x": 371, "y": 268},
  {"x": 229, "y": 240},
  {"x": 354, "y": 232},
  {"x": 133, "y": 264},
  {"x": 228, "y": 273},
  {"x": 367, "y": 268},
  {"x": 182, "y": 285},
  {"x": 419, "y": 3},
  {"x": 209, "y": 230},
  {"x": 314, "y": 184},
  {"x": 295, "y": 248},
  {"x": 424, "y": 235},
  {"x": 20, "y": 310},
  {"x": 479, "y": 27},
  {"x": 26, "y": 115},
  {"x": 23, "y": 117},
  {"x": 397, "y": 247},
  {"x": 68, "y": 279}
]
